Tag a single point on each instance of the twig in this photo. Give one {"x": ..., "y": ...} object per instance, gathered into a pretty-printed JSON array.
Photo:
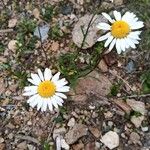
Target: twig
[
  {"x": 53, "y": 125},
  {"x": 85, "y": 34},
  {"x": 29, "y": 138},
  {"x": 119, "y": 77},
  {"x": 46, "y": 59},
  {"x": 139, "y": 96},
  {"x": 6, "y": 30}
]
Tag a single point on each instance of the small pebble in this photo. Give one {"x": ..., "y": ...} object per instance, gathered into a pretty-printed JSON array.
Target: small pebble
[
  {"x": 110, "y": 123},
  {"x": 94, "y": 115},
  {"x": 29, "y": 123},
  {"x": 10, "y": 136},
  {"x": 144, "y": 129},
  {"x": 71, "y": 122},
  {"x": 1, "y": 140},
  {"x": 91, "y": 107}
]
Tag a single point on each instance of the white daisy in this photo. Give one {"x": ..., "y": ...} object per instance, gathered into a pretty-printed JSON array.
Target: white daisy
[
  {"x": 121, "y": 31},
  {"x": 46, "y": 90}
]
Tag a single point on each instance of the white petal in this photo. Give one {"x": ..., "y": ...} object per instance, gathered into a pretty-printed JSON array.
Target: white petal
[
  {"x": 54, "y": 102},
  {"x": 32, "y": 98},
  {"x": 61, "y": 95},
  {"x": 134, "y": 41},
  {"x": 118, "y": 47},
  {"x": 59, "y": 100},
  {"x": 117, "y": 15},
  {"x": 132, "y": 20},
  {"x": 40, "y": 103},
  {"x": 135, "y": 19},
  {"x": 47, "y": 74},
  {"x": 34, "y": 82},
  {"x": 104, "y": 37},
  {"x": 29, "y": 93},
  {"x": 30, "y": 88},
  {"x": 60, "y": 84},
  {"x": 34, "y": 103},
  {"x": 50, "y": 106},
  {"x": 56, "y": 77},
  {"x": 112, "y": 44},
  {"x": 131, "y": 44},
  {"x": 108, "y": 17},
  {"x": 108, "y": 41},
  {"x": 123, "y": 44},
  {"x": 35, "y": 78},
  {"x": 40, "y": 75},
  {"x": 44, "y": 106},
  {"x": 103, "y": 26},
  {"x": 137, "y": 25},
  {"x": 127, "y": 17},
  {"x": 126, "y": 43},
  {"x": 134, "y": 35},
  {"x": 63, "y": 89}
]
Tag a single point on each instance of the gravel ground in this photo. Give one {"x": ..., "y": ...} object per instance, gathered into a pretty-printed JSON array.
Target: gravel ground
[{"x": 107, "y": 109}]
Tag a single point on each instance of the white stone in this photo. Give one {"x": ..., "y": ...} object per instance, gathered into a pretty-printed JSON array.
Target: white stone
[
  {"x": 12, "y": 45},
  {"x": 92, "y": 107},
  {"x": 98, "y": 145},
  {"x": 137, "y": 121},
  {"x": 58, "y": 143},
  {"x": 64, "y": 145},
  {"x": 81, "y": 2},
  {"x": 31, "y": 147},
  {"x": 12, "y": 23},
  {"x": 144, "y": 129},
  {"x": 71, "y": 122},
  {"x": 1, "y": 140},
  {"x": 110, "y": 139}
]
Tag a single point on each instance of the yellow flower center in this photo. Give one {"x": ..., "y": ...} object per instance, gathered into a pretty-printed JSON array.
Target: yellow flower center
[
  {"x": 46, "y": 89},
  {"x": 120, "y": 29}
]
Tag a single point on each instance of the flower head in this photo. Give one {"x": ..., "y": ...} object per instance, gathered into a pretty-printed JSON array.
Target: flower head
[
  {"x": 46, "y": 90},
  {"x": 122, "y": 31}
]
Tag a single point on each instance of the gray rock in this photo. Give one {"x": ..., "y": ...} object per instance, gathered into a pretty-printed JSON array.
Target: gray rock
[
  {"x": 130, "y": 67},
  {"x": 118, "y": 2},
  {"x": 146, "y": 140},
  {"x": 137, "y": 106},
  {"x": 66, "y": 9},
  {"x": 80, "y": 29},
  {"x": 59, "y": 131},
  {"x": 103, "y": 66},
  {"x": 22, "y": 146},
  {"x": 42, "y": 32},
  {"x": 134, "y": 138},
  {"x": 78, "y": 131},
  {"x": 93, "y": 87}
]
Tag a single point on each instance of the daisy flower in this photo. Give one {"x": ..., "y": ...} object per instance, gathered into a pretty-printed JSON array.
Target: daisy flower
[
  {"x": 46, "y": 91},
  {"x": 122, "y": 31}
]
